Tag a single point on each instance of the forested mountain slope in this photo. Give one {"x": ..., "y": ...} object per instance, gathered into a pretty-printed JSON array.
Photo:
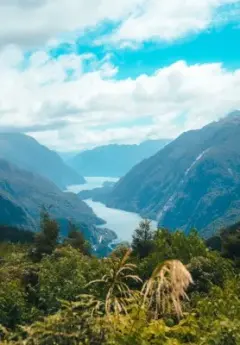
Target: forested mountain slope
[
  {"x": 23, "y": 194},
  {"x": 192, "y": 182},
  {"x": 28, "y": 154}
]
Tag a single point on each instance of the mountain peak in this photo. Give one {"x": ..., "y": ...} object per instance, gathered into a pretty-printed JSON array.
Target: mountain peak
[{"x": 233, "y": 115}]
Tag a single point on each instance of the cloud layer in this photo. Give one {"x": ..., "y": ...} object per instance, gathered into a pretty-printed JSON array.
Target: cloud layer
[
  {"x": 68, "y": 108},
  {"x": 168, "y": 20},
  {"x": 94, "y": 108},
  {"x": 36, "y": 22}
]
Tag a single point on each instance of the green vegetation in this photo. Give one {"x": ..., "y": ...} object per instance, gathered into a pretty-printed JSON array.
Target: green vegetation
[
  {"x": 166, "y": 289},
  {"x": 22, "y": 193},
  {"x": 15, "y": 235},
  {"x": 193, "y": 181}
]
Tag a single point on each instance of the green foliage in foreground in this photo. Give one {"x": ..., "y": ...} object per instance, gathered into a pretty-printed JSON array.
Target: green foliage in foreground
[{"x": 53, "y": 293}]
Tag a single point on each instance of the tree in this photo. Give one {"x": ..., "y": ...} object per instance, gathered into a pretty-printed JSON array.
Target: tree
[
  {"x": 117, "y": 292},
  {"x": 172, "y": 246},
  {"x": 119, "y": 251},
  {"x": 142, "y": 243},
  {"x": 209, "y": 270},
  {"x": 76, "y": 240},
  {"x": 47, "y": 239},
  {"x": 231, "y": 244}
]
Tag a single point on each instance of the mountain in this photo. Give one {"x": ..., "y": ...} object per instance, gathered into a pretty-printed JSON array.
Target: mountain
[
  {"x": 114, "y": 160},
  {"x": 28, "y": 154},
  {"x": 97, "y": 194},
  {"x": 22, "y": 195},
  {"x": 67, "y": 156},
  {"x": 192, "y": 182}
]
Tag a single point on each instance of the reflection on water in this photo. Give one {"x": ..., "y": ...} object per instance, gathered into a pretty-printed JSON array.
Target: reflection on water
[{"x": 122, "y": 222}]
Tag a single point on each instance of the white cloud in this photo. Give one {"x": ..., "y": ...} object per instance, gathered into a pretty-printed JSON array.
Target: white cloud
[
  {"x": 168, "y": 20},
  {"x": 35, "y": 22},
  {"x": 68, "y": 109},
  {"x": 94, "y": 108}
]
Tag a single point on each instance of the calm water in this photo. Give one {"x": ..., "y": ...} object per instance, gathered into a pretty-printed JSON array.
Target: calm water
[
  {"x": 122, "y": 222},
  {"x": 92, "y": 182}
]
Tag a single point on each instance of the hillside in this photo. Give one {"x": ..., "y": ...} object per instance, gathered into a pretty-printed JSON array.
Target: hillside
[
  {"x": 22, "y": 195},
  {"x": 192, "y": 182},
  {"x": 114, "y": 160},
  {"x": 97, "y": 194},
  {"x": 28, "y": 154}
]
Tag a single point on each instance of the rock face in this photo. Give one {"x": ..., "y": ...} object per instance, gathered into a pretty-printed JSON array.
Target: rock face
[
  {"x": 28, "y": 154},
  {"x": 22, "y": 194},
  {"x": 114, "y": 160},
  {"x": 192, "y": 182}
]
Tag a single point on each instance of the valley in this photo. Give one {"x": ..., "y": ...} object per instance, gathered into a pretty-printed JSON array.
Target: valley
[
  {"x": 119, "y": 172},
  {"x": 191, "y": 182},
  {"x": 123, "y": 223}
]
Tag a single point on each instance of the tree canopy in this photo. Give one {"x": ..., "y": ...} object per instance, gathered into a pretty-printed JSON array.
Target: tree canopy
[{"x": 166, "y": 288}]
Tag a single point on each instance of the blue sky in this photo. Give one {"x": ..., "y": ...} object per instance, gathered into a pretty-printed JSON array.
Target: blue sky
[
  {"x": 217, "y": 44},
  {"x": 78, "y": 74}
]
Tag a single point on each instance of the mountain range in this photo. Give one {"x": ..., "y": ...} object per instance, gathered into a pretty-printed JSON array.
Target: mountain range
[
  {"x": 194, "y": 181},
  {"x": 23, "y": 194},
  {"x": 28, "y": 154},
  {"x": 114, "y": 160}
]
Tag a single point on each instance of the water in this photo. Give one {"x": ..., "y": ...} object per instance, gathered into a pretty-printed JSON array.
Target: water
[
  {"x": 92, "y": 182},
  {"x": 122, "y": 222}
]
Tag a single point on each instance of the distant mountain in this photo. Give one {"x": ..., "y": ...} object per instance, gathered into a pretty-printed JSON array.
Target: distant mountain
[
  {"x": 66, "y": 156},
  {"x": 114, "y": 160},
  {"x": 27, "y": 153},
  {"x": 97, "y": 194},
  {"x": 192, "y": 182},
  {"x": 22, "y": 195}
]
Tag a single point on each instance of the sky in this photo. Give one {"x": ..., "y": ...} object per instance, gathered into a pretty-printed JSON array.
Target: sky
[{"x": 76, "y": 74}]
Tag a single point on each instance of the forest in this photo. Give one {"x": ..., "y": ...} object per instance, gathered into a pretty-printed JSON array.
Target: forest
[{"x": 165, "y": 287}]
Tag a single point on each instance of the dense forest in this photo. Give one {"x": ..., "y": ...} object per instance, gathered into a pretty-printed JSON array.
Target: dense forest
[{"x": 166, "y": 288}]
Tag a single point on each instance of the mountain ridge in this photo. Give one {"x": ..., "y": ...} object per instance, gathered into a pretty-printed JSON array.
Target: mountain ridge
[
  {"x": 178, "y": 183},
  {"x": 23, "y": 194},
  {"x": 114, "y": 160},
  {"x": 25, "y": 152}
]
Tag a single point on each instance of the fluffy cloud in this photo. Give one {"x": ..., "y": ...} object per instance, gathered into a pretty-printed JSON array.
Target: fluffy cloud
[
  {"x": 68, "y": 109},
  {"x": 168, "y": 20},
  {"x": 35, "y": 22},
  {"x": 69, "y": 112}
]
